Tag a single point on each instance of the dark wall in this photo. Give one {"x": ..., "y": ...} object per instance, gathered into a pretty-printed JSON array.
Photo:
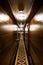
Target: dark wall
[
  {"x": 8, "y": 47},
  {"x": 36, "y": 46}
]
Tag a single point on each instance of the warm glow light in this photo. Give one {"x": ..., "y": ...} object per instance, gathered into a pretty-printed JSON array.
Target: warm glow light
[
  {"x": 9, "y": 27},
  {"x": 39, "y": 17},
  {"x": 21, "y": 25},
  {"x": 3, "y": 17},
  {"x": 21, "y": 16},
  {"x": 34, "y": 27},
  {"x": 26, "y": 29}
]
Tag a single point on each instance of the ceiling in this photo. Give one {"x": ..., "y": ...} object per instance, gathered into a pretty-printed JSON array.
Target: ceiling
[{"x": 37, "y": 4}]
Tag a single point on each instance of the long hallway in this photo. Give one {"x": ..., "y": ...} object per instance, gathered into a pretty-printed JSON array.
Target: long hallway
[
  {"x": 21, "y": 58},
  {"x": 21, "y": 32}
]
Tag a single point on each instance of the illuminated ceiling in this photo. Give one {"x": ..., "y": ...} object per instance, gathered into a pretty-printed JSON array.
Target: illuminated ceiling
[{"x": 8, "y": 9}]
